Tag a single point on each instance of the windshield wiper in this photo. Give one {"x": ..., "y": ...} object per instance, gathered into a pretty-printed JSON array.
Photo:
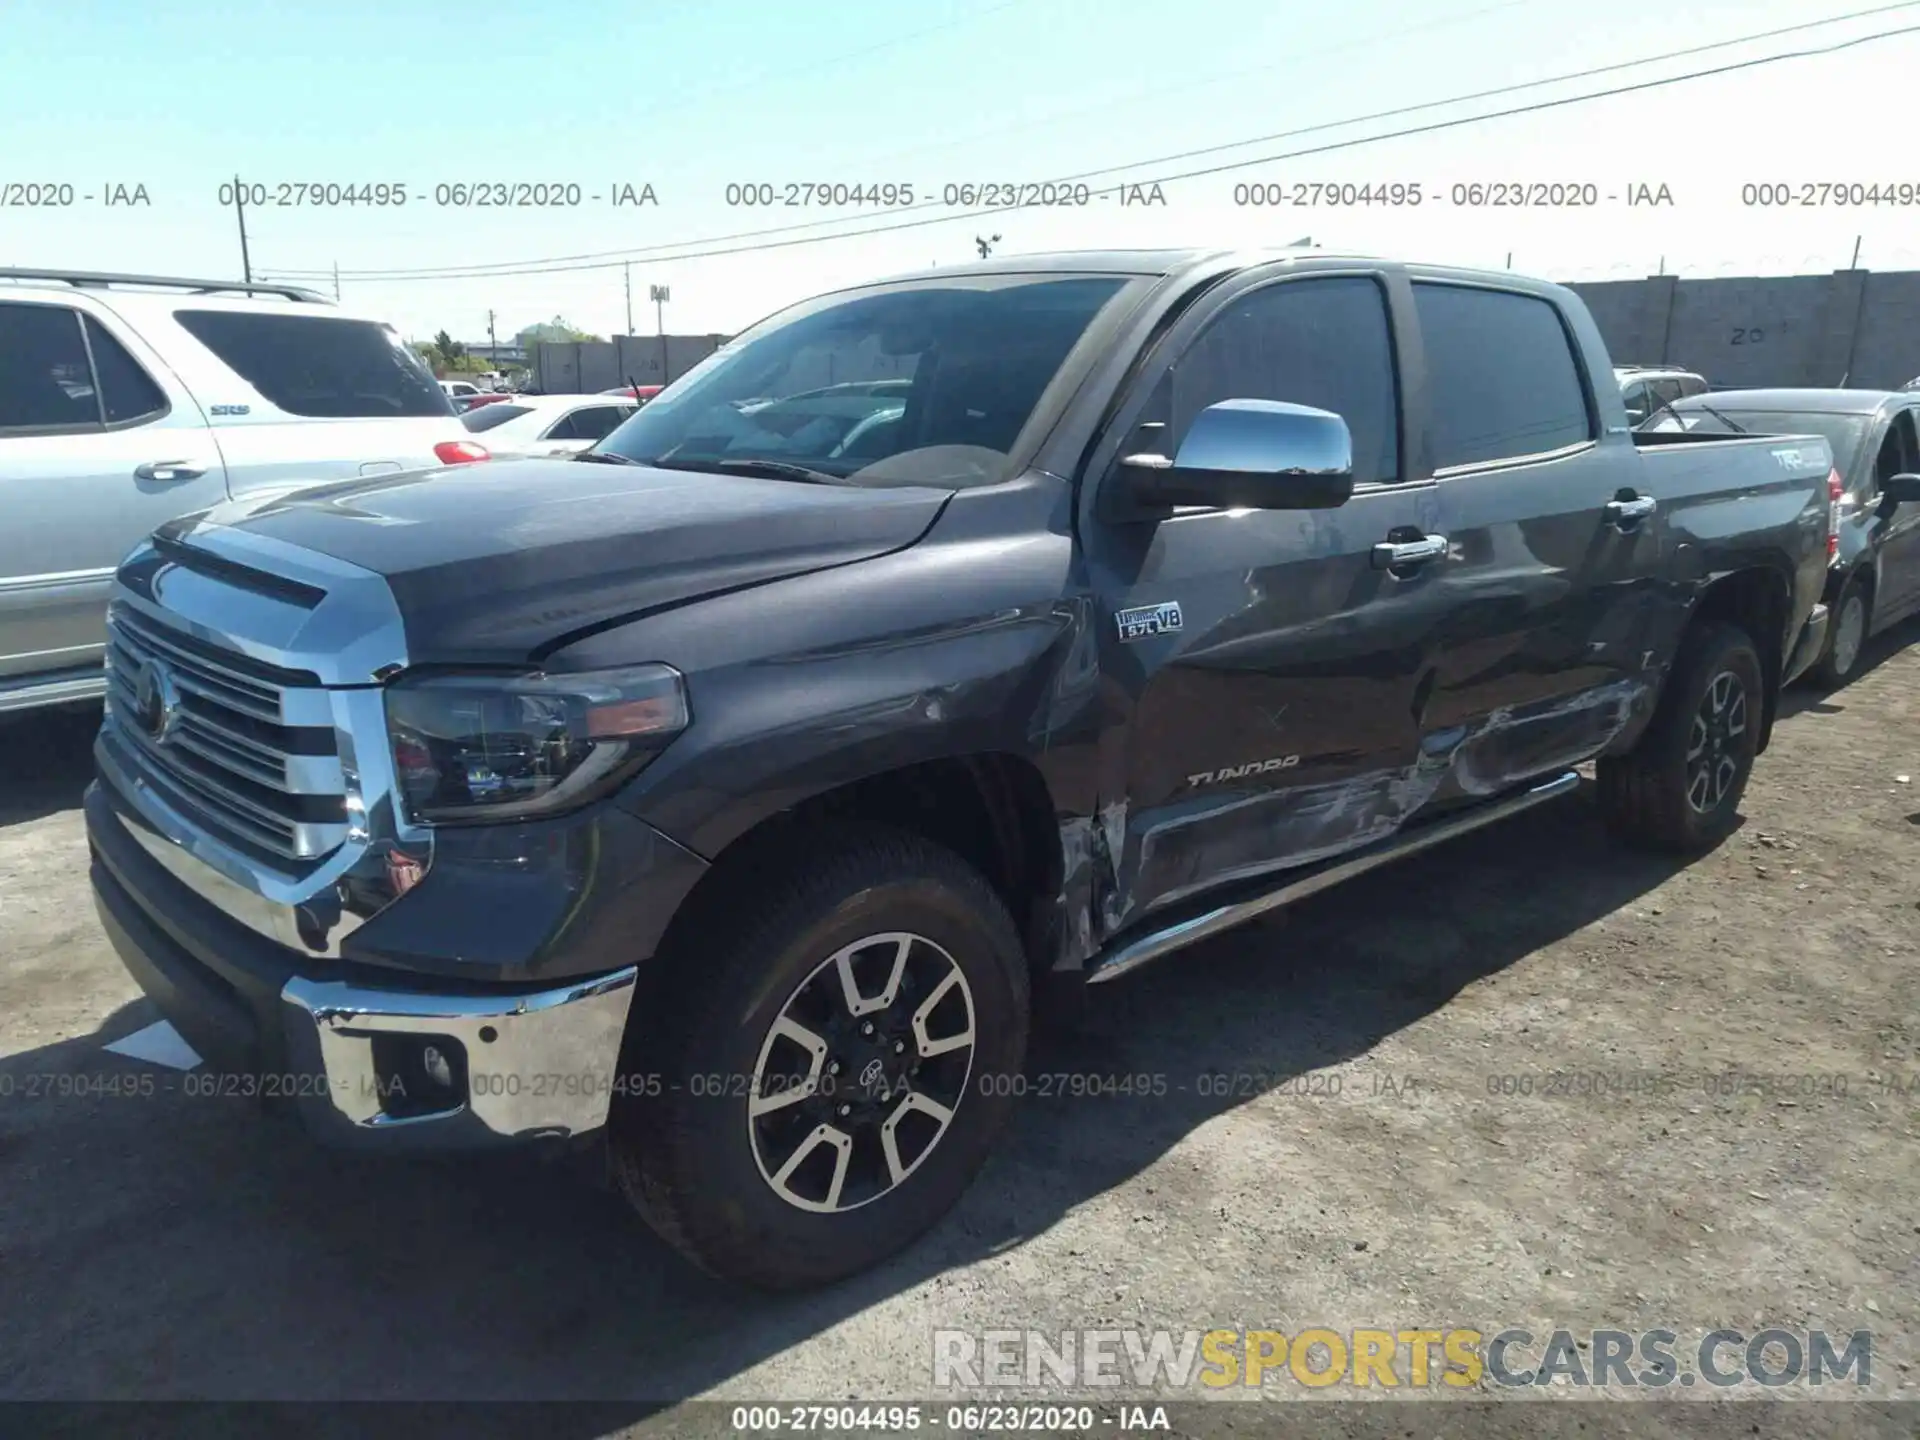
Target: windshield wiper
[
  {"x": 604, "y": 457},
  {"x": 741, "y": 465},
  {"x": 1732, "y": 425}
]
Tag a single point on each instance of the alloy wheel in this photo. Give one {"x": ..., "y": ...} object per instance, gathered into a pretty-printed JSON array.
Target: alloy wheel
[
  {"x": 861, "y": 1074},
  {"x": 1714, "y": 744}
]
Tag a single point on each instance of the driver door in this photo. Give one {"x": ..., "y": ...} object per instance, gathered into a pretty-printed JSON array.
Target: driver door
[{"x": 1265, "y": 663}]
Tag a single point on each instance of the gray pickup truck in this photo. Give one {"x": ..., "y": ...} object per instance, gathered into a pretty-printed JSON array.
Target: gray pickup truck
[{"x": 726, "y": 796}]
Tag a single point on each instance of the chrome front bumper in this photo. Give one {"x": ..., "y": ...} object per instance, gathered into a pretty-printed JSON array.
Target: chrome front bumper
[{"x": 524, "y": 1068}]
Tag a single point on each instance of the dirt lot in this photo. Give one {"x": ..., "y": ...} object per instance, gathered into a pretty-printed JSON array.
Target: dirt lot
[{"x": 179, "y": 1247}]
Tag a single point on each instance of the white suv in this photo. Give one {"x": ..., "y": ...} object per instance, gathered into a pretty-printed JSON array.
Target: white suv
[{"x": 127, "y": 400}]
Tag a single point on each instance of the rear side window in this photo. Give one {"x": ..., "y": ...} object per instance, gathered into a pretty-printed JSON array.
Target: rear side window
[
  {"x": 596, "y": 422},
  {"x": 321, "y": 365},
  {"x": 488, "y": 416},
  {"x": 1501, "y": 377},
  {"x": 128, "y": 391}
]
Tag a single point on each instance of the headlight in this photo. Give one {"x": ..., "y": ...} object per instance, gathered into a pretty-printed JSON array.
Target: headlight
[{"x": 502, "y": 747}]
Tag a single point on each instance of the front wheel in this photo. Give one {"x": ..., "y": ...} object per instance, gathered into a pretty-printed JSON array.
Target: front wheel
[
  {"x": 833, "y": 1061},
  {"x": 1679, "y": 788}
]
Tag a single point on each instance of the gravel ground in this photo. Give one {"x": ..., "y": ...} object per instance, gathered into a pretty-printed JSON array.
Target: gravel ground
[{"x": 173, "y": 1247}]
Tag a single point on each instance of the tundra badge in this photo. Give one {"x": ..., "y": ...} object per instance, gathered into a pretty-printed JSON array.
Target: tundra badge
[{"x": 1145, "y": 620}]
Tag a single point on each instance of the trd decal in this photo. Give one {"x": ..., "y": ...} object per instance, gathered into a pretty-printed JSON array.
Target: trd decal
[
  {"x": 1145, "y": 620},
  {"x": 1236, "y": 772}
]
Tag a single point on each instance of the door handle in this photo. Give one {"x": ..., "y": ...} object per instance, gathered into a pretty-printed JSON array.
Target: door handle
[
  {"x": 1392, "y": 554},
  {"x": 165, "y": 470},
  {"x": 1622, "y": 511}
]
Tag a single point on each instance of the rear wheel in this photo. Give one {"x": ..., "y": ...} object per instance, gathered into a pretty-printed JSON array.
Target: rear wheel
[
  {"x": 1679, "y": 788},
  {"x": 1842, "y": 655},
  {"x": 834, "y": 1062}
]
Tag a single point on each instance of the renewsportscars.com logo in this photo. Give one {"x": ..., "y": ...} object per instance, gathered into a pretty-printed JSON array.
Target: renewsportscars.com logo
[{"x": 1457, "y": 1357}]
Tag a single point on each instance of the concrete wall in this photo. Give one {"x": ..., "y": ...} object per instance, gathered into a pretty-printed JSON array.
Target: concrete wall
[
  {"x": 1852, "y": 327},
  {"x": 586, "y": 366}
]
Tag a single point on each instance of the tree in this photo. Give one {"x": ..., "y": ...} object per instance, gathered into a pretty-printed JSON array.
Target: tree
[
  {"x": 451, "y": 350},
  {"x": 554, "y": 331}
]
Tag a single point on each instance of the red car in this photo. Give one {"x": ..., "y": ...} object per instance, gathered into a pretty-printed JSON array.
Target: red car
[
  {"x": 474, "y": 402},
  {"x": 642, "y": 393}
]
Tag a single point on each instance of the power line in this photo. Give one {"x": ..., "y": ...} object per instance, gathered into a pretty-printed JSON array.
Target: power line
[
  {"x": 565, "y": 265},
  {"x": 666, "y": 250}
]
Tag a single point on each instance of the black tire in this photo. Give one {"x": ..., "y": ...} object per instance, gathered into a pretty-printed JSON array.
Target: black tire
[
  {"x": 1840, "y": 657},
  {"x": 1653, "y": 796},
  {"x": 691, "y": 1164}
]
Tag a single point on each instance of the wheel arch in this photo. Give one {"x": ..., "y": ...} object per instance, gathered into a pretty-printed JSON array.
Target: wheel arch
[
  {"x": 992, "y": 808},
  {"x": 1759, "y": 601}
]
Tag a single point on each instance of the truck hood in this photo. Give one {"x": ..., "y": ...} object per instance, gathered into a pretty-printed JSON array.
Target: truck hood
[{"x": 498, "y": 562}]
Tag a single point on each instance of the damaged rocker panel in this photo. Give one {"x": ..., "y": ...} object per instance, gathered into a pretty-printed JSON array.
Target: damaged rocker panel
[{"x": 1164, "y": 940}]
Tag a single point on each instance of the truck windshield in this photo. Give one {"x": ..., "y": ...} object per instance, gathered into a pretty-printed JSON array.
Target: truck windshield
[
  {"x": 928, "y": 383},
  {"x": 1844, "y": 433}
]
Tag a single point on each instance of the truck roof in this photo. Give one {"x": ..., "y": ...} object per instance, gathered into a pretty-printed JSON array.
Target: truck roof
[
  {"x": 1200, "y": 262},
  {"x": 1812, "y": 401}
]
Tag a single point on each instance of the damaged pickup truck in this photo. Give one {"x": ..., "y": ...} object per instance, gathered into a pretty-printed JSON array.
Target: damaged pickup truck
[{"x": 727, "y": 796}]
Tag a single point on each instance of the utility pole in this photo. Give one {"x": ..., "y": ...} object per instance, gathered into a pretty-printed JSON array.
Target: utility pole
[
  {"x": 493, "y": 345},
  {"x": 660, "y": 294},
  {"x": 1856, "y": 252},
  {"x": 240, "y": 210},
  {"x": 985, "y": 245},
  {"x": 628, "y": 267},
  {"x": 336, "y": 280}
]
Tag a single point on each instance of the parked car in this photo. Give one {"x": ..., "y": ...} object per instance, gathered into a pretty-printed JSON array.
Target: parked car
[
  {"x": 547, "y": 424},
  {"x": 642, "y": 393},
  {"x": 459, "y": 391},
  {"x": 1874, "y": 580},
  {"x": 728, "y": 803},
  {"x": 126, "y": 400},
  {"x": 488, "y": 397},
  {"x": 1645, "y": 388}
]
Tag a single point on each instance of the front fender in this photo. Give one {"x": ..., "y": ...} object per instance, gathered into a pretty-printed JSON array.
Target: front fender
[{"x": 969, "y": 643}]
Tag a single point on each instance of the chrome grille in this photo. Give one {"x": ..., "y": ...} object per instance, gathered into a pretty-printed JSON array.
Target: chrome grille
[{"x": 249, "y": 757}]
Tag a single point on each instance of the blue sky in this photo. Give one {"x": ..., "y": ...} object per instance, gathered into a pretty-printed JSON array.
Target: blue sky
[{"x": 179, "y": 98}]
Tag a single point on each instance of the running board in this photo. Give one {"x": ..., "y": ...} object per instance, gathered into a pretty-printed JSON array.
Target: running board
[{"x": 1151, "y": 946}]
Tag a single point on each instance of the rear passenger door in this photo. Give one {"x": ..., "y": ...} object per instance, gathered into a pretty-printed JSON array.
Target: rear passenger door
[
  {"x": 1547, "y": 584},
  {"x": 99, "y": 445}
]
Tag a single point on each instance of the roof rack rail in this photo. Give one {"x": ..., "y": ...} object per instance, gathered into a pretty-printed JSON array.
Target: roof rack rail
[{"x": 85, "y": 278}]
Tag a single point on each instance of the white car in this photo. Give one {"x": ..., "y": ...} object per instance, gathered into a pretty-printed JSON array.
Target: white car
[
  {"x": 128, "y": 400},
  {"x": 547, "y": 424},
  {"x": 458, "y": 390}
]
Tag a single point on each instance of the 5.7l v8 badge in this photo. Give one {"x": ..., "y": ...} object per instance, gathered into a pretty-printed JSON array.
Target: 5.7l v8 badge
[{"x": 1145, "y": 620}]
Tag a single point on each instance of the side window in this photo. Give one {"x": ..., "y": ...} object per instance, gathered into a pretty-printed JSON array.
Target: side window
[
  {"x": 127, "y": 391},
  {"x": 45, "y": 380},
  {"x": 1318, "y": 342},
  {"x": 1904, "y": 425},
  {"x": 1666, "y": 392},
  {"x": 561, "y": 429},
  {"x": 1502, "y": 380},
  {"x": 1692, "y": 385},
  {"x": 1638, "y": 402},
  {"x": 595, "y": 423},
  {"x": 1895, "y": 451}
]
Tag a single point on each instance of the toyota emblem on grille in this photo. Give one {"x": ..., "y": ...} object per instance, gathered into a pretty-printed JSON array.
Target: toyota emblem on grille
[{"x": 156, "y": 700}]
